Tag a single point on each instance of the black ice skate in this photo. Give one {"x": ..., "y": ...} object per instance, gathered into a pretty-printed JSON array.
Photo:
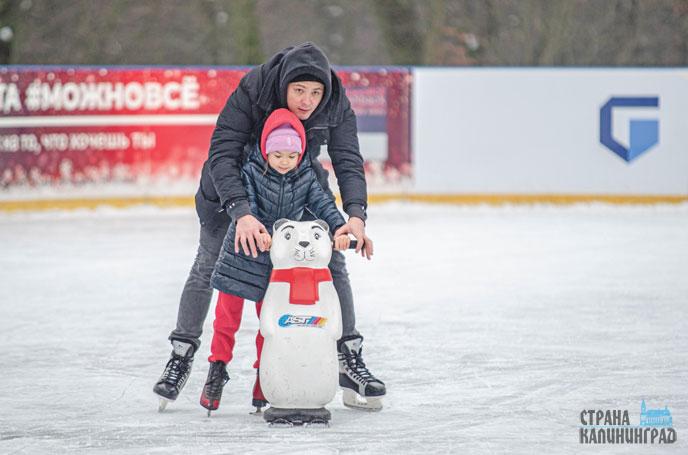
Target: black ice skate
[
  {"x": 176, "y": 373},
  {"x": 361, "y": 389},
  {"x": 212, "y": 391}
]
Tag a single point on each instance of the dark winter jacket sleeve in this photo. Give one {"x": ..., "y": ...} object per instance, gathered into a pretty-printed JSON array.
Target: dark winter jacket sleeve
[
  {"x": 250, "y": 187},
  {"x": 348, "y": 165},
  {"x": 232, "y": 132},
  {"x": 323, "y": 207}
]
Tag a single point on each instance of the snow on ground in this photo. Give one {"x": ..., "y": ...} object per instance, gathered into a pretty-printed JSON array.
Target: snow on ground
[{"x": 492, "y": 327}]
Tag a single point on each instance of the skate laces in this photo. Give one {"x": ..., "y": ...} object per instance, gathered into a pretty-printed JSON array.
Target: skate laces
[
  {"x": 356, "y": 365},
  {"x": 176, "y": 367}
]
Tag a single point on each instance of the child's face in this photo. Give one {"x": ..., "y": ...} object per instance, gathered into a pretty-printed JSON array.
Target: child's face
[
  {"x": 283, "y": 162},
  {"x": 303, "y": 97}
]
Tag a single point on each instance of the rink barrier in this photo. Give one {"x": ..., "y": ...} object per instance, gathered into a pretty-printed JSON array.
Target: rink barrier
[
  {"x": 93, "y": 203},
  {"x": 525, "y": 199},
  {"x": 561, "y": 131},
  {"x": 455, "y": 199}
]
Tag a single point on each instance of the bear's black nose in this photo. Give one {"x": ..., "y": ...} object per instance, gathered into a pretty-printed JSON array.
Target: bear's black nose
[{"x": 304, "y": 244}]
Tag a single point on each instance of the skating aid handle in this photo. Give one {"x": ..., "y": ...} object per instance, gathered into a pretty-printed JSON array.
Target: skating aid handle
[{"x": 352, "y": 244}]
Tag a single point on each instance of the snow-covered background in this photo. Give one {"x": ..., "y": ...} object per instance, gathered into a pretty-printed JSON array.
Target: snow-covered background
[{"x": 492, "y": 327}]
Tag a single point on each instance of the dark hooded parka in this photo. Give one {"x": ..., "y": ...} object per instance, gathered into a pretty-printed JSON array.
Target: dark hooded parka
[{"x": 261, "y": 91}]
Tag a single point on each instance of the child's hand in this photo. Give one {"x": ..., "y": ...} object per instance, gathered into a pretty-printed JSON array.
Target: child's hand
[
  {"x": 341, "y": 242},
  {"x": 356, "y": 227},
  {"x": 267, "y": 239}
]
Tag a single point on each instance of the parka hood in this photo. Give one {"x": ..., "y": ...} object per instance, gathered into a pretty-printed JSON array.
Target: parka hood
[
  {"x": 278, "y": 118},
  {"x": 306, "y": 58}
]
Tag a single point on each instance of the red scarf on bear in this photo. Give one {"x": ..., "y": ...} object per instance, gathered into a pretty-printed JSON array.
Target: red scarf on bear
[{"x": 303, "y": 283}]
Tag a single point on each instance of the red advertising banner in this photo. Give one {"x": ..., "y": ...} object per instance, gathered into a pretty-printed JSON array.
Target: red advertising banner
[{"x": 79, "y": 125}]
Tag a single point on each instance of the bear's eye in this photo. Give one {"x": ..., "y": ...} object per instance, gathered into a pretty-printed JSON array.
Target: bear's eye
[
  {"x": 317, "y": 236},
  {"x": 287, "y": 236}
]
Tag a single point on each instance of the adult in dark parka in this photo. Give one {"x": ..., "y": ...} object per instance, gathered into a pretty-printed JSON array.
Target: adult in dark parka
[{"x": 300, "y": 79}]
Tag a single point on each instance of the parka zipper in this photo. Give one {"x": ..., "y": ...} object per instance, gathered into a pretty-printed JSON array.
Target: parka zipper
[
  {"x": 281, "y": 196},
  {"x": 316, "y": 128}
]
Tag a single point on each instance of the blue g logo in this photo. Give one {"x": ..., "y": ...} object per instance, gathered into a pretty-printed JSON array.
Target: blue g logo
[{"x": 644, "y": 133}]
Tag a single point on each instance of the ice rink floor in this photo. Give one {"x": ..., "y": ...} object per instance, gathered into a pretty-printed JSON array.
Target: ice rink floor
[{"x": 493, "y": 328}]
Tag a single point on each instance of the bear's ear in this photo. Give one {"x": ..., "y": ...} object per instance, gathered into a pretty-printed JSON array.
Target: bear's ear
[
  {"x": 278, "y": 224},
  {"x": 323, "y": 225}
]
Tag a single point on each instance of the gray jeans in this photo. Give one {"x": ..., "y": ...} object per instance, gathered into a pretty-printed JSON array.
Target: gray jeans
[{"x": 197, "y": 293}]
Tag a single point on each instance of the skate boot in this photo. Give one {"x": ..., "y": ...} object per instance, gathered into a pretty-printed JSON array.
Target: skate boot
[
  {"x": 176, "y": 373},
  {"x": 212, "y": 391},
  {"x": 361, "y": 389},
  {"x": 259, "y": 401}
]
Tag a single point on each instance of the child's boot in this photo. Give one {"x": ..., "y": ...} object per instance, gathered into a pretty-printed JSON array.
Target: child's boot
[
  {"x": 212, "y": 391},
  {"x": 259, "y": 400}
]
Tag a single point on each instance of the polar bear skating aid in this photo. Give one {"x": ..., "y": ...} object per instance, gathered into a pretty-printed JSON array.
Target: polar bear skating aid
[{"x": 301, "y": 323}]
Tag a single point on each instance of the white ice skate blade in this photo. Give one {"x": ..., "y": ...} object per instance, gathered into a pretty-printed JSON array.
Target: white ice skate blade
[
  {"x": 353, "y": 400},
  {"x": 162, "y": 404}
]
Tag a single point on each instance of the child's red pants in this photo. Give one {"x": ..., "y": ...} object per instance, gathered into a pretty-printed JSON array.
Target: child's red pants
[{"x": 227, "y": 321}]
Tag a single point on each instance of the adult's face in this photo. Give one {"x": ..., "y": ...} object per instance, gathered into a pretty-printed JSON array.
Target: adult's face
[{"x": 303, "y": 97}]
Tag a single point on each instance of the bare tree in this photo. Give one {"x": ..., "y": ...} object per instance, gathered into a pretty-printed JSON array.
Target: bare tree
[
  {"x": 8, "y": 10},
  {"x": 401, "y": 29},
  {"x": 245, "y": 32},
  {"x": 353, "y": 32}
]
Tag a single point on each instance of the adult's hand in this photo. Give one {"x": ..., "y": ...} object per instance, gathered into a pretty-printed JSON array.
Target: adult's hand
[
  {"x": 249, "y": 234},
  {"x": 356, "y": 227}
]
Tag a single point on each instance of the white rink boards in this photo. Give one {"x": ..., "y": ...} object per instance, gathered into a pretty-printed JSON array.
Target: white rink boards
[{"x": 537, "y": 131}]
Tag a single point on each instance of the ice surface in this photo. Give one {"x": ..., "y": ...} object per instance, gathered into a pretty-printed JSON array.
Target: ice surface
[{"x": 492, "y": 327}]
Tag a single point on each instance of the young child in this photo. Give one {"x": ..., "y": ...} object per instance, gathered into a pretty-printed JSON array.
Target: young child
[{"x": 279, "y": 184}]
